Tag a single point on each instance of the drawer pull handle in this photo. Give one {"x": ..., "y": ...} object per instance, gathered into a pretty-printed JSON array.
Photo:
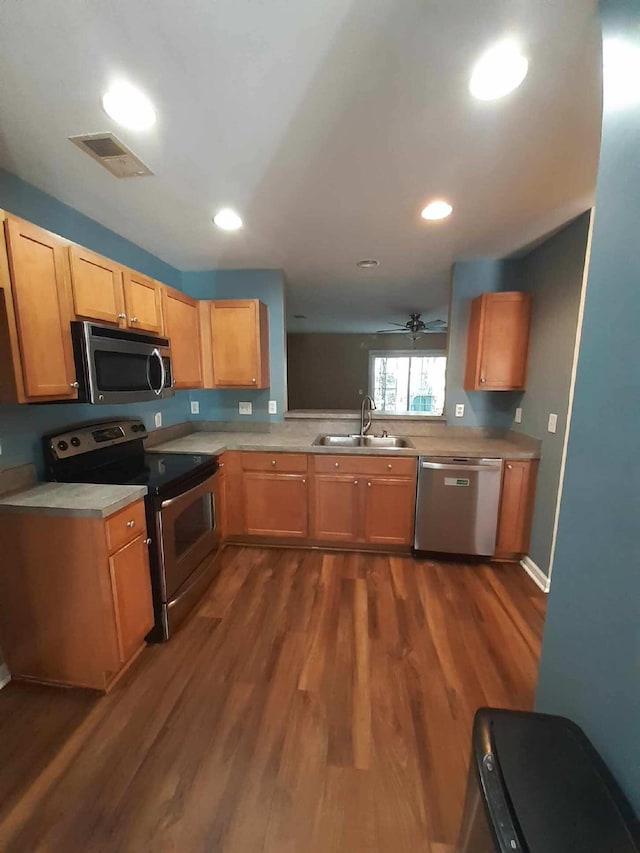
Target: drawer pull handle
[
  {"x": 148, "y": 541},
  {"x": 131, "y": 523}
]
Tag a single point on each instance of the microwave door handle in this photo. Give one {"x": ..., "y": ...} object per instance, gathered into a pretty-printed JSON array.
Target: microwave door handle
[{"x": 163, "y": 373}]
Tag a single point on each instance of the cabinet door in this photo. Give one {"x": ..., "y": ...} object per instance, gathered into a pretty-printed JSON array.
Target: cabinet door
[
  {"x": 97, "y": 287},
  {"x": 335, "y": 508},
  {"x": 182, "y": 327},
  {"x": 516, "y": 507},
  {"x": 40, "y": 276},
  {"x": 498, "y": 342},
  {"x": 389, "y": 511},
  {"x": 240, "y": 344},
  {"x": 275, "y": 504},
  {"x": 143, "y": 302},
  {"x": 131, "y": 585}
]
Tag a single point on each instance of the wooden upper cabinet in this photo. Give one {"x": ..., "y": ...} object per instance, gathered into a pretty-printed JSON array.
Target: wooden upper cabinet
[
  {"x": 238, "y": 338},
  {"x": 516, "y": 507},
  {"x": 131, "y": 587},
  {"x": 182, "y": 327},
  {"x": 97, "y": 287},
  {"x": 39, "y": 271},
  {"x": 143, "y": 302},
  {"x": 389, "y": 510},
  {"x": 498, "y": 342}
]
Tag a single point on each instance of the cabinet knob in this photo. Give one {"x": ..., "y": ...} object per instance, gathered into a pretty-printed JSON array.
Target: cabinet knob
[
  {"x": 221, "y": 465},
  {"x": 389, "y": 466},
  {"x": 131, "y": 523},
  {"x": 74, "y": 384},
  {"x": 134, "y": 319},
  {"x": 368, "y": 484},
  {"x": 355, "y": 482},
  {"x": 254, "y": 380},
  {"x": 122, "y": 316},
  {"x": 148, "y": 541},
  {"x": 336, "y": 464},
  {"x": 303, "y": 482},
  {"x": 273, "y": 461},
  {"x": 510, "y": 467}
]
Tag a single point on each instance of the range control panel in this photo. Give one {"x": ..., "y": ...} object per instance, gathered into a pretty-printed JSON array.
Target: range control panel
[{"x": 84, "y": 439}]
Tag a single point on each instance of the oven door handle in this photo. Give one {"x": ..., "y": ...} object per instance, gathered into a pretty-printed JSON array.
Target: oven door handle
[
  {"x": 191, "y": 493},
  {"x": 163, "y": 373}
]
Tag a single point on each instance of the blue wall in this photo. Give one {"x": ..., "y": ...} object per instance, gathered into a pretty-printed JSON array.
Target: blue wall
[
  {"x": 268, "y": 286},
  {"x": 25, "y": 200},
  {"x": 590, "y": 668},
  {"x": 481, "y": 408}
]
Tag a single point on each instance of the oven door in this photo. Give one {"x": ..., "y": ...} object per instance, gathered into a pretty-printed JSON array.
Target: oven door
[
  {"x": 186, "y": 533},
  {"x": 120, "y": 367}
]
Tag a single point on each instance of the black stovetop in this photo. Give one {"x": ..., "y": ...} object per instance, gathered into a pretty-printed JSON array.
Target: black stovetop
[{"x": 157, "y": 471}]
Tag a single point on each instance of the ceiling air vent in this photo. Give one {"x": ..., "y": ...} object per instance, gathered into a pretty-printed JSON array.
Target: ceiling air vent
[{"x": 107, "y": 150}]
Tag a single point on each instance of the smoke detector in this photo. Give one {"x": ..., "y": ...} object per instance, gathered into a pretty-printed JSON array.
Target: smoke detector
[{"x": 110, "y": 152}]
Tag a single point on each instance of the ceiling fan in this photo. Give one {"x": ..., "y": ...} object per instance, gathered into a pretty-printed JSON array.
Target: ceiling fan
[{"x": 415, "y": 327}]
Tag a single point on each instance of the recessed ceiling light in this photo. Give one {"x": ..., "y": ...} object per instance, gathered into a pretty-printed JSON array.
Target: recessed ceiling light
[
  {"x": 368, "y": 263},
  {"x": 129, "y": 107},
  {"x": 227, "y": 219},
  {"x": 500, "y": 70},
  {"x": 438, "y": 209},
  {"x": 621, "y": 73}
]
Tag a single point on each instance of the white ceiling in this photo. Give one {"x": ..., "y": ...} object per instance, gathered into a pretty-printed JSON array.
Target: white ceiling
[{"x": 328, "y": 124}]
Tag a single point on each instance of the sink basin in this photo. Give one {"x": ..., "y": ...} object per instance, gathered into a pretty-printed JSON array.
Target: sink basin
[{"x": 387, "y": 442}]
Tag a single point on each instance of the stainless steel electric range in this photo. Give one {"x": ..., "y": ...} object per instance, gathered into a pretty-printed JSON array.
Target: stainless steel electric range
[{"x": 180, "y": 505}]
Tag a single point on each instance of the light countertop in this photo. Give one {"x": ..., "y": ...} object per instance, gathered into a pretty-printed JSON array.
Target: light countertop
[
  {"x": 215, "y": 443},
  {"x": 80, "y": 499}
]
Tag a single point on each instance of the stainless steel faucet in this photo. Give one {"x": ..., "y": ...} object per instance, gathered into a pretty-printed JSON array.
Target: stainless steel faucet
[{"x": 368, "y": 405}]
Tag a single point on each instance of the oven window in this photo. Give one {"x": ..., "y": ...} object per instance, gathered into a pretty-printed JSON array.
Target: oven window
[
  {"x": 121, "y": 371},
  {"x": 192, "y": 523}
]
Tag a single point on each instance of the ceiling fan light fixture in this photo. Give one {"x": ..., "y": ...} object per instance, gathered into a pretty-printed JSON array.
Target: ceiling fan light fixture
[{"x": 368, "y": 264}]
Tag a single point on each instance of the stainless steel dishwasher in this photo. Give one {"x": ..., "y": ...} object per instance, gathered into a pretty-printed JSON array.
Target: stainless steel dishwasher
[{"x": 457, "y": 505}]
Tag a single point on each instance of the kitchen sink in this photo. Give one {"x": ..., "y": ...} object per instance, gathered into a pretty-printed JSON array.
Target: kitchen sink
[{"x": 386, "y": 442}]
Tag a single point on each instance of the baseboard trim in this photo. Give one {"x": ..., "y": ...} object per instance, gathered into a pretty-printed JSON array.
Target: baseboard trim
[
  {"x": 535, "y": 573},
  {"x": 5, "y": 675}
]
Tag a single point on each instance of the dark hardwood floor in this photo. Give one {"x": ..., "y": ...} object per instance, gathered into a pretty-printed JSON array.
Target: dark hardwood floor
[{"x": 315, "y": 702}]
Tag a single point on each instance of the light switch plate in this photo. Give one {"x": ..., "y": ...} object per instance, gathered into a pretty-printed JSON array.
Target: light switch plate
[
  {"x": 273, "y": 407},
  {"x": 459, "y": 410},
  {"x": 195, "y": 407},
  {"x": 553, "y": 423},
  {"x": 157, "y": 419},
  {"x": 518, "y": 417},
  {"x": 245, "y": 408}
]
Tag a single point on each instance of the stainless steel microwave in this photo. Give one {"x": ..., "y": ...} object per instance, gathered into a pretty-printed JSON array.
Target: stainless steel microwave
[{"x": 119, "y": 366}]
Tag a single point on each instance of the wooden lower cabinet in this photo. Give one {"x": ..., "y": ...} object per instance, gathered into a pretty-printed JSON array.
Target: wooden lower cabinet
[
  {"x": 275, "y": 504},
  {"x": 516, "y": 507},
  {"x": 389, "y": 510},
  {"x": 76, "y": 597},
  {"x": 335, "y": 510},
  {"x": 131, "y": 586}
]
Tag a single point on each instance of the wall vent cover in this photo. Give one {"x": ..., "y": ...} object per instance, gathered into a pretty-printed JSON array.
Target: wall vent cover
[{"x": 114, "y": 155}]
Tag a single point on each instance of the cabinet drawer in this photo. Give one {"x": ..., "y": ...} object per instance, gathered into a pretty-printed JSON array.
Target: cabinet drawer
[
  {"x": 125, "y": 526},
  {"x": 366, "y": 465},
  {"x": 292, "y": 463}
]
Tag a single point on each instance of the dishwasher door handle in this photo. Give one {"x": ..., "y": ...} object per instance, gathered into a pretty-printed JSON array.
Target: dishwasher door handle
[{"x": 452, "y": 466}]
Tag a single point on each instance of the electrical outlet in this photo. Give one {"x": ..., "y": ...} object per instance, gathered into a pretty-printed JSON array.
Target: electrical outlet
[
  {"x": 245, "y": 408},
  {"x": 518, "y": 416},
  {"x": 459, "y": 410},
  {"x": 157, "y": 419},
  {"x": 553, "y": 423},
  {"x": 195, "y": 407},
  {"x": 273, "y": 407}
]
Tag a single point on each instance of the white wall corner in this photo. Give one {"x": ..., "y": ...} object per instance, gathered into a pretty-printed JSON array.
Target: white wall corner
[{"x": 535, "y": 573}]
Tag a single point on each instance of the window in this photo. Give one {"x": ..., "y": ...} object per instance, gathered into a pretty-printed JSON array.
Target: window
[{"x": 404, "y": 383}]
